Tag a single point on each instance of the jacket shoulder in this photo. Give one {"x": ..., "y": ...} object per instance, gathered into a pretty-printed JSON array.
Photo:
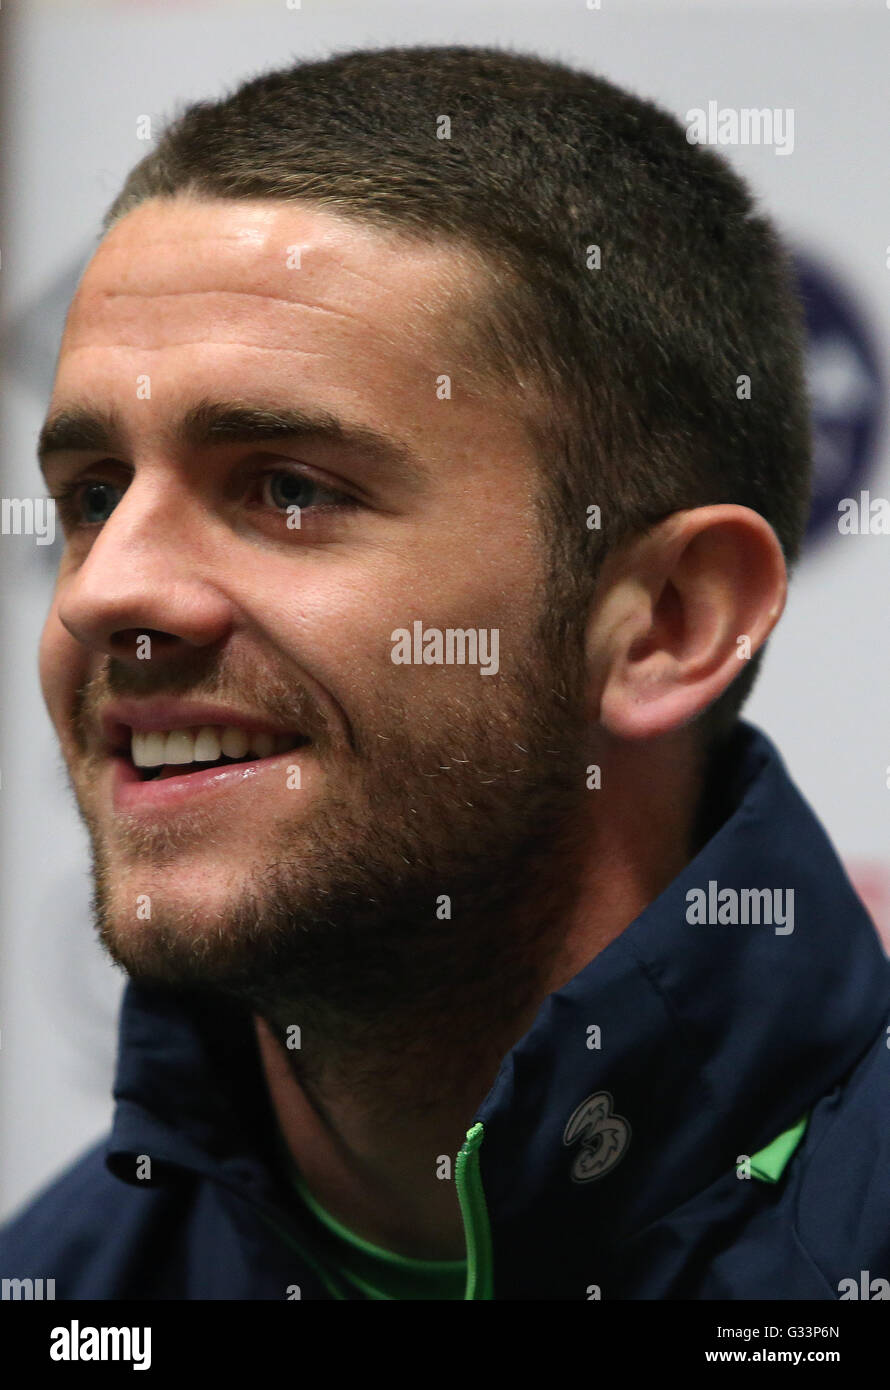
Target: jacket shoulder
[{"x": 86, "y": 1229}]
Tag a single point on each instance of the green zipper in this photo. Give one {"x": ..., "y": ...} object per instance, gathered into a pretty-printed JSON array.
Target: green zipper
[
  {"x": 477, "y": 1230},
  {"x": 471, "y": 1195}
]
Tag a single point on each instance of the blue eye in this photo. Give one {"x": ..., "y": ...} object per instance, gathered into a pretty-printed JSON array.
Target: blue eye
[
  {"x": 93, "y": 499},
  {"x": 76, "y": 499},
  {"x": 285, "y": 489}
]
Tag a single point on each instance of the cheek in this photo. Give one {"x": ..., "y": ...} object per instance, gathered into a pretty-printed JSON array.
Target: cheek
[
  {"x": 59, "y": 658},
  {"x": 343, "y": 626},
  {"x": 46, "y": 658}
]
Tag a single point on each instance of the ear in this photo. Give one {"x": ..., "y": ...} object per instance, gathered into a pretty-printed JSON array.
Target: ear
[{"x": 678, "y": 612}]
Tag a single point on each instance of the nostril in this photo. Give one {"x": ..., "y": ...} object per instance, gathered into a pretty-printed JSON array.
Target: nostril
[{"x": 140, "y": 640}]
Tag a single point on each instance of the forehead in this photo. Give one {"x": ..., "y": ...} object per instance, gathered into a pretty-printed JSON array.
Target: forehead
[{"x": 248, "y": 265}]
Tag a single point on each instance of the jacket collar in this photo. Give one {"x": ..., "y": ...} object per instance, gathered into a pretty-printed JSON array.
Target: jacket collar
[{"x": 713, "y": 1039}]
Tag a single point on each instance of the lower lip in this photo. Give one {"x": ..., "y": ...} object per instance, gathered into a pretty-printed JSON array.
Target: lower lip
[{"x": 130, "y": 794}]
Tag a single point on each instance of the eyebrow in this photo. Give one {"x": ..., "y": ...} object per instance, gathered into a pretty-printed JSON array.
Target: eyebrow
[{"x": 212, "y": 423}]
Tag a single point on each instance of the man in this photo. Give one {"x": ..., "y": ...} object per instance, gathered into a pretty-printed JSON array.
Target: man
[{"x": 477, "y": 948}]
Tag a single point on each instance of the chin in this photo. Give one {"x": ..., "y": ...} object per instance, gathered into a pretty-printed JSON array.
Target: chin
[{"x": 165, "y": 952}]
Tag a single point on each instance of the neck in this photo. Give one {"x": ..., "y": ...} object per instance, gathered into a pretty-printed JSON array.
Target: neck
[{"x": 368, "y": 1131}]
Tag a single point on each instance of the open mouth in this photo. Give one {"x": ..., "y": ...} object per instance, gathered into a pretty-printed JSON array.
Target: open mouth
[
  {"x": 157, "y": 756},
  {"x": 158, "y": 774}
]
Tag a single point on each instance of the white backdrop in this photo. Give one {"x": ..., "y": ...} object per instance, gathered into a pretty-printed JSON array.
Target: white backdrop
[{"x": 76, "y": 78}]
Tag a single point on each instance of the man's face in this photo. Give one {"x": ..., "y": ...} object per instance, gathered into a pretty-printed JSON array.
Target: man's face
[{"x": 396, "y": 783}]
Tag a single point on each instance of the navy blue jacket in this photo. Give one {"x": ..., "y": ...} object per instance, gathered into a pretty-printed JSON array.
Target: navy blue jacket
[{"x": 606, "y": 1164}]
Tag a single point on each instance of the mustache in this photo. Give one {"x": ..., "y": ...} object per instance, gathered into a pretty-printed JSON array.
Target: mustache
[{"x": 272, "y": 696}]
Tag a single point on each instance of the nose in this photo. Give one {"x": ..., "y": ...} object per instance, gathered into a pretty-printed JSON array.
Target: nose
[{"x": 150, "y": 571}]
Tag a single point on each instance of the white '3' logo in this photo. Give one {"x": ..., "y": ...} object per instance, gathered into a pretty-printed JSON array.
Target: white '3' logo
[{"x": 603, "y": 1136}]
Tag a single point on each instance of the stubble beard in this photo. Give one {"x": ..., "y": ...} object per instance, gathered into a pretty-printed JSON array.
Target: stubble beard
[{"x": 424, "y": 894}]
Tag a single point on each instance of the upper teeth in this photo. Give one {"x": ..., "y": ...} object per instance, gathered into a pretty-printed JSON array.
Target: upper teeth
[{"x": 204, "y": 745}]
